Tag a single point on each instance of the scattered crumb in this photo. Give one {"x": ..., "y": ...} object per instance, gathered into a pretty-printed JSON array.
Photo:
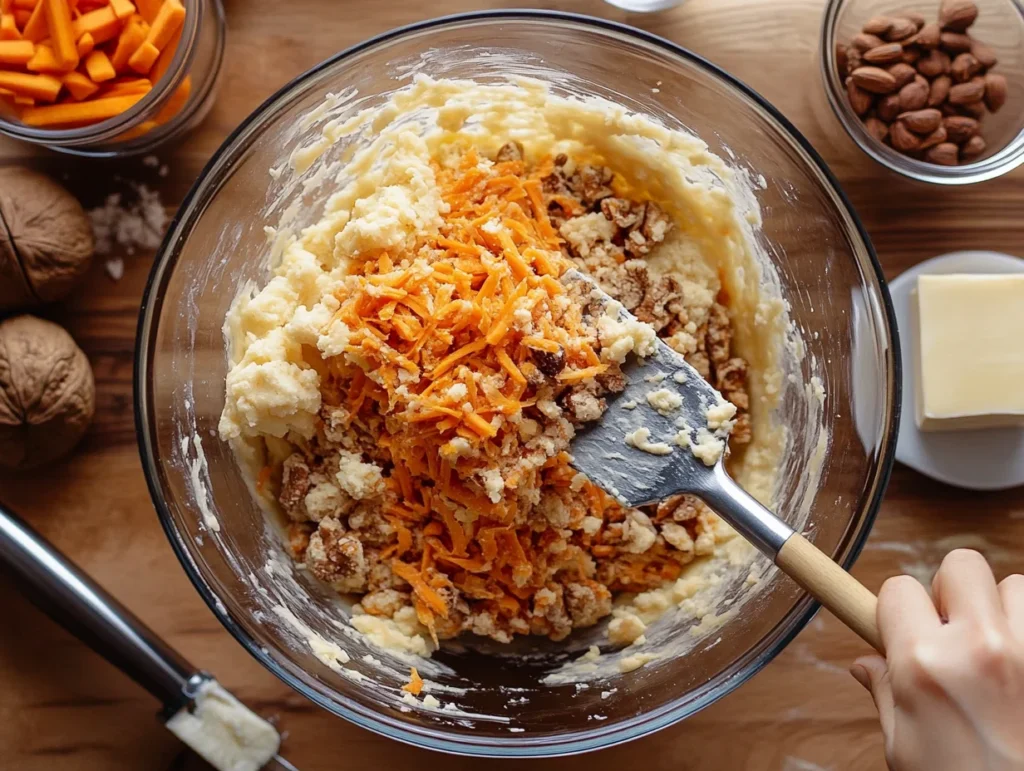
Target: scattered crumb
[
  {"x": 115, "y": 268},
  {"x": 129, "y": 221}
]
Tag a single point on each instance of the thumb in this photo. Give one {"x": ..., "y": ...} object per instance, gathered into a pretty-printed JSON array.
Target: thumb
[{"x": 873, "y": 673}]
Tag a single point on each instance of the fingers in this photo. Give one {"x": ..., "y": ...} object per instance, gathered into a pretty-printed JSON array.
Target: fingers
[
  {"x": 905, "y": 613},
  {"x": 1011, "y": 593},
  {"x": 873, "y": 673},
  {"x": 964, "y": 588}
]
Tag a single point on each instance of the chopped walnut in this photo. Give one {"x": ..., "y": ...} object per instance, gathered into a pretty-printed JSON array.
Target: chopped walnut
[
  {"x": 622, "y": 212},
  {"x": 680, "y": 508},
  {"x": 294, "y": 486},
  {"x": 369, "y": 526},
  {"x": 628, "y": 283},
  {"x": 548, "y": 362},
  {"x": 510, "y": 151},
  {"x": 678, "y": 537},
  {"x": 659, "y": 306},
  {"x": 639, "y": 534},
  {"x": 613, "y": 381},
  {"x": 583, "y": 405},
  {"x": 591, "y": 184},
  {"x": 298, "y": 539},
  {"x": 587, "y": 603},
  {"x": 337, "y": 557},
  {"x": 742, "y": 432},
  {"x": 719, "y": 335},
  {"x": 548, "y": 616}
]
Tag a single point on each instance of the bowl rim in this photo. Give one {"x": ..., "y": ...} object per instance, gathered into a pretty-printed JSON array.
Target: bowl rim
[
  {"x": 1002, "y": 161},
  {"x": 432, "y": 738}
]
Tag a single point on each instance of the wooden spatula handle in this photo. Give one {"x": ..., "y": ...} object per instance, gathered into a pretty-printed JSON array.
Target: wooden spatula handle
[{"x": 832, "y": 586}]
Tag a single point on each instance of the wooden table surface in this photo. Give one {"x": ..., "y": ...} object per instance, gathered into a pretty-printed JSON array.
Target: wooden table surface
[{"x": 63, "y": 708}]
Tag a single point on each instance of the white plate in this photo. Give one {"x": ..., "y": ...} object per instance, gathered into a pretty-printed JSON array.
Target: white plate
[{"x": 991, "y": 459}]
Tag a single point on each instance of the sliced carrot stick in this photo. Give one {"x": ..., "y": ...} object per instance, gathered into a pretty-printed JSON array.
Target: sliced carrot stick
[
  {"x": 166, "y": 55},
  {"x": 148, "y": 9},
  {"x": 9, "y": 27},
  {"x": 58, "y": 20},
  {"x": 123, "y": 9},
  {"x": 178, "y": 99},
  {"x": 27, "y": 5},
  {"x": 102, "y": 24},
  {"x": 35, "y": 28},
  {"x": 79, "y": 86},
  {"x": 128, "y": 41},
  {"x": 21, "y": 18},
  {"x": 166, "y": 23},
  {"x": 45, "y": 60},
  {"x": 16, "y": 51},
  {"x": 24, "y": 101},
  {"x": 98, "y": 67},
  {"x": 85, "y": 45},
  {"x": 125, "y": 87},
  {"x": 6, "y": 6},
  {"x": 42, "y": 87},
  {"x": 144, "y": 58},
  {"x": 78, "y": 113}
]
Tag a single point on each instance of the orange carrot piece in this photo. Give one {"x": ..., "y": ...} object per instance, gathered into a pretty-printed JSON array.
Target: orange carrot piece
[
  {"x": 21, "y": 18},
  {"x": 124, "y": 86},
  {"x": 78, "y": 113},
  {"x": 143, "y": 128},
  {"x": 79, "y": 86},
  {"x": 415, "y": 684},
  {"x": 27, "y": 5},
  {"x": 45, "y": 60},
  {"x": 166, "y": 23},
  {"x": 9, "y": 27},
  {"x": 58, "y": 21},
  {"x": 35, "y": 28},
  {"x": 98, "y": 67},
  {"x": 24, "y": 101},
  {"x": 163, "y": 63},
  {"x": 42, "y": 87},
  {"x": 148, "y": 9},
  {"x": 144, "y": 57},
  {"x": 123, "y": 9},
  {"x": 102, "y": 24},
  {"x": 128, "y": 42},
  {"x": 6, "y": 6},
  {"x": 16, "y": 52},
  {"x": 85, "y": 45}
]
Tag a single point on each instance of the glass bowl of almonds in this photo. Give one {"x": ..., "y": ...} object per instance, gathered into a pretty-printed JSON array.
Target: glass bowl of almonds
[{"x": 933, "y": 90}]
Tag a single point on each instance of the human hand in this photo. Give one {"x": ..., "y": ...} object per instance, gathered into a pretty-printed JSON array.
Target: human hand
[{"x": 950, "y": 692}]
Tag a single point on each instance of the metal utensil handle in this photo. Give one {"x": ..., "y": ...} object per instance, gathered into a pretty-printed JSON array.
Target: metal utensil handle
[
  {"x": 77, "y": 603},
  {"x": 846, "y": 597}
]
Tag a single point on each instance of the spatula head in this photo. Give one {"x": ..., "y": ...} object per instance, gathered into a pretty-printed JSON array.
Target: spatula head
[{"x": 663, "y": 435}]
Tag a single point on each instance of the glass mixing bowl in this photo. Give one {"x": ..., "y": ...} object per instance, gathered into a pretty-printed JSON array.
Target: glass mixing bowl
[{"x": 216, "y": 244}]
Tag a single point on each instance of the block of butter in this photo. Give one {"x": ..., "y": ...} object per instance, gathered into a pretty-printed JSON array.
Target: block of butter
[{"x": 970, "y": 362}]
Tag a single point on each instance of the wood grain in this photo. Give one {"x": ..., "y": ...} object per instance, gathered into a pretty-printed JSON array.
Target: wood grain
[{"x": 63, "y": 709}]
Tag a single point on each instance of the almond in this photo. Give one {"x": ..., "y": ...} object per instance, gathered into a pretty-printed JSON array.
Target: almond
[
  {"x": 944, "y": 154},
  {"x": 914, "y": 95},
  {"x": 957, "y": 15},
  {"x": 948, "y": 109},
  {"x": 927, "y": 36},
  {"x": 995, "y": 91},
  {"x": 933, "y": 63},
  {"x": 983, "y": 54},
  {"x": 900, "y": 29},
  {"x": 964, "y": 67},
  {"x": 972, "y": 148},
  {"x": 877, "y": 128},
  {"x": 937, "y": 136},
  {"x": 959, "y": 128},
  {"x": 903, "y": 73},
  {"x": 974, "y": 110},
  {"x": 886, "y": 54},
  {"x": 854, "y": 59},
  {"x": 860, "y": 100},
  {"x": 875, "y": 79},
  {"x": 903, "y": 139},
  {"x": 911, "y": 55},
  {"x": 842, "y": 60},
  {"x": 922, "y": 121},
  {"x": 955, "y": 42},
  {"x": 939, "y": 90},
  {"x": 865, "y": 42},
  {"x": 889, "y": 107},
  {"x": 877, "y": 25},
  {"x": 965, "y": 93},
  {"x": 914, "y": 16}
]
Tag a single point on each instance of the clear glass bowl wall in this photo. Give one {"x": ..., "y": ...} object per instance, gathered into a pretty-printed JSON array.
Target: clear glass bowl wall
[
  {"x": 217, "y": 244},
  {"x": 1000, "y": 25},
  {"x": 199, "y": 56}
]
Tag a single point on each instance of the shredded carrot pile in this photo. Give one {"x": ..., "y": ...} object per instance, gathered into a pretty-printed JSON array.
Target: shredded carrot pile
[{"x": 440, "y": 367}]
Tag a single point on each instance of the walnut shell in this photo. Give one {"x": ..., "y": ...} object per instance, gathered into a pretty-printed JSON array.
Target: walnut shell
[
  {"x": 46, "y": 241},
  {"x": 47, "y": 394}
]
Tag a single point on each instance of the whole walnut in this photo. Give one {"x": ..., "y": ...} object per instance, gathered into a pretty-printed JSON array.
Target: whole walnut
[
  {"x": 47, "y": 395},
  {"x": 46, "y": 241}
]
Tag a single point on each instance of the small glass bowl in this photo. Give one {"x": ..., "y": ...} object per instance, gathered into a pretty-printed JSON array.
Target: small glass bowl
[
  {"x": 136, "y": 130},
  {"x": 1000, "y": 25}
]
